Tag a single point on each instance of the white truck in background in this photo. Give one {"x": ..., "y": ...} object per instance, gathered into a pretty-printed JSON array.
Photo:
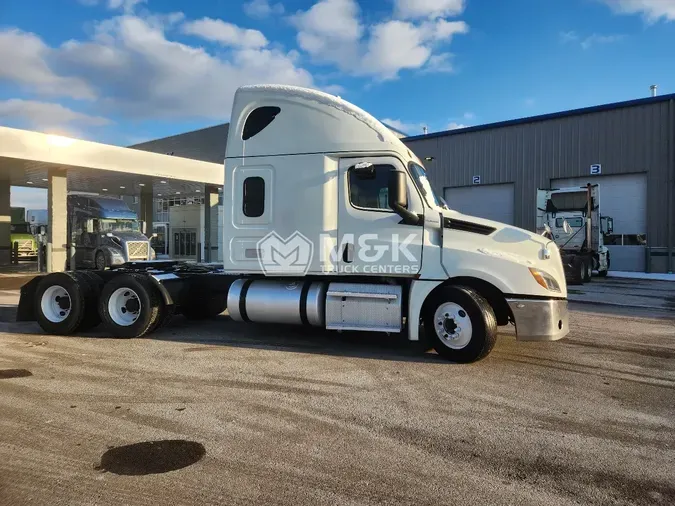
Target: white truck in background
[
  {"x": 572, "y": 218},
  {"x": 330, "y": 222}
]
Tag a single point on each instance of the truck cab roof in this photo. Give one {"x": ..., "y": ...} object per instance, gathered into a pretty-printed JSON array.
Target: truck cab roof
[{"x": 269, "y": 120}]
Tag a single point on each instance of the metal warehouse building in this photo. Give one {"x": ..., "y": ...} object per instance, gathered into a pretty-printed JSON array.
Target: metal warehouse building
[{"x": 494, "y": 170}]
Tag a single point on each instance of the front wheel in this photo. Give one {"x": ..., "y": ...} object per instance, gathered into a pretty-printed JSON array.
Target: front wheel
[
  {"x": 588, "y": 274},
  {"x": 460, "y": 324},
  {"x": 99, "y": 261}
]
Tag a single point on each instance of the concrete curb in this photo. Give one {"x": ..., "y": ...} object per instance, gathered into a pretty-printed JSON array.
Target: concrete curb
[{"x": 617, "y": 304}]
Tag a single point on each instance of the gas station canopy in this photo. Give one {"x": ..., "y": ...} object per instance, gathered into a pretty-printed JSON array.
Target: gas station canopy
[{"x": 27, "y": 157}]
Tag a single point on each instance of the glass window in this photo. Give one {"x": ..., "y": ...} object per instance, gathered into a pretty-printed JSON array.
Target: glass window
[
  {"x": 369, "y": 188},
  {"x": 258, "y": 120},
  {"x": 254, "y": 197},
  {"x": 20, "y": 228},
  {"x": 422, "y": 182},
  {"x": 572, "y": 222},
  {"x": 107, "y": 225}
]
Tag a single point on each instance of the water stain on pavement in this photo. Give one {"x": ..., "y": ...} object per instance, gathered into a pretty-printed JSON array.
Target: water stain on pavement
[
  {"x": 14, "y": 373},
  {"x": 151, "y": 457}
]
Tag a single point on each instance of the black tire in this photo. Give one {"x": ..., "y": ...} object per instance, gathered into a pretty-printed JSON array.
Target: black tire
[
  {"x": 100, "y": 263},
  {"x": 577, "y": 271},
  {"x": 146, "y": 295},
  {"x": 91, "y": 317},
  {"x": 588, "y": 270},
  {"x": 72, "y": 310},
  {"x": 202, "y": 309},
  {"x": 480, "y": 314}
]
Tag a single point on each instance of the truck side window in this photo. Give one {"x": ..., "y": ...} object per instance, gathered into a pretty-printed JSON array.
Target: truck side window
[
  {"x": 254, "y": 197},
  {"x": 370, "y": 190},
  {"x": 258, "y": 120}
]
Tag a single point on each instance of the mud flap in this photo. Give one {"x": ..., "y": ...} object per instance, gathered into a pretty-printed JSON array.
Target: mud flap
[{"x": 26, "y": 309}]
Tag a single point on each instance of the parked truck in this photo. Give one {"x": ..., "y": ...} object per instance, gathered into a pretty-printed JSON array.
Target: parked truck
[
  {"x": 329, "y": 222},
  {"x": 21, "y": 236},
  {"x": 572, "y": 218},
  {"x": 105, "y": 232}
]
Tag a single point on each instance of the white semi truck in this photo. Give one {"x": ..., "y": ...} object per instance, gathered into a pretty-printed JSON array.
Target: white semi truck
[
  {"x": 330, "y": 222},
  {"x": 572, "y": 218}
]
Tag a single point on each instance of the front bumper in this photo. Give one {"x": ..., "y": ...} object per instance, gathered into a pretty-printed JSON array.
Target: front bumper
[{"x": 540, "y": 320}]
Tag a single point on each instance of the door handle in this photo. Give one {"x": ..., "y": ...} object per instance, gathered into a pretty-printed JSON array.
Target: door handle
[{"x": 347, "y": 253}]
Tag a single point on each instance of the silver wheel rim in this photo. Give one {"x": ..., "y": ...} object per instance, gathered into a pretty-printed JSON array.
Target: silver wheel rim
[
  {"x": 453, "y": 325},
  {"x": 589, "y": 270},
  {"x": 124, "y": 307},
  {"x": 56, "y": 304}
]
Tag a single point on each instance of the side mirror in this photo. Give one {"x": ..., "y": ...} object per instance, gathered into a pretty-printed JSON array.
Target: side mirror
[
  {"x": 566, "y": 227},
  {"x": 610, "y": 225},
  {"x": 397, "y": 191}
]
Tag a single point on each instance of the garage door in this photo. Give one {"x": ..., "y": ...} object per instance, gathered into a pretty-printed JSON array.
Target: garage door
[
  {"x": 493, "y": 202},
  {"x": 624, "y": 198}
]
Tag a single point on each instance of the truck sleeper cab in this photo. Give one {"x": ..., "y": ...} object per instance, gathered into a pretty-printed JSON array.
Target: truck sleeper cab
[{"x": 332, "y": 222}]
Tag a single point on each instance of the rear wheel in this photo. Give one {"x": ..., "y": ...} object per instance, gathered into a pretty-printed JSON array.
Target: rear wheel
[
  {"x": 60, "y": 302},
  {"x": 130, "y": 305},
  {"x": 460, "y": 324},
  {"x": 91, "y": 317}
]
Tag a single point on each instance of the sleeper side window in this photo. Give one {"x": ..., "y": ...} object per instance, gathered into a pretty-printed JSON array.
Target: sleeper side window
[
  {"x": 258, "y": 120},
  {"x": 254, "y": 197}
]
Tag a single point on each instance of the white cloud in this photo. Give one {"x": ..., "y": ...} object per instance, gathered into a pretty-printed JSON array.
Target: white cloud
[
  {"x": 224, "y": 33},
  {"x": 595, "y": 39},
  {"x": 469, "y": 115},
  {"x": 260, "y": 9},
  {"x": 402, "y": 126},
  {"x": 331, "y": 31},
  {"x": 126, "y": 5},
  {"x": 25, "y": 63},
  {"x": 651, "y": 10},
  {"x": 133, "y": 69},
  {"x": 44, "y": 115},
  {"x": 566, "y": 37},
  {"x": 456, "y": 126},
  {"x": 414, "y": 9},
  {"x": 591, "y": 40}
]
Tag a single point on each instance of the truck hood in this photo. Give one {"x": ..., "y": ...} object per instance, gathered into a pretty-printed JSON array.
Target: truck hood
[
  {"x": 502, "y": 257},
  {"x": 130, "y": 236},
  {"x": 21, "y": 237}
]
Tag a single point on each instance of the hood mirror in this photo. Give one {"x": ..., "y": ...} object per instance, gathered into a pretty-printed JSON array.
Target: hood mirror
[
  {"x": 566, "y": 227},
  {"x": 110, "y": 234}
]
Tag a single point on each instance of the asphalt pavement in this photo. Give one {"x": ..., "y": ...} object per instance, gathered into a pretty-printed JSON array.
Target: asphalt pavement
[{"x": 227, "y": 413}]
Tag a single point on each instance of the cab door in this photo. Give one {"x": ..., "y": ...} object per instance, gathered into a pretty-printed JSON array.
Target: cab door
[{"x": 372, "y": 238}]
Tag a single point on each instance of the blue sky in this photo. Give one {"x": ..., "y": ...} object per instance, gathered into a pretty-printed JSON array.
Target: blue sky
[{"x": 124, "y": 71}]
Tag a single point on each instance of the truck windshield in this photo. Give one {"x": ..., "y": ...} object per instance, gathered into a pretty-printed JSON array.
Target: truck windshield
[
  {"x": 20, "y": 228},
  {"x": 420, "y": 177},
  {"x": 119, "y": 226},
  {"x": 572, "y": 222}
]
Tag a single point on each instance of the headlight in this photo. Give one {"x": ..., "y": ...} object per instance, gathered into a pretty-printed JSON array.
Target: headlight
[{"x": 545, "y": 279}]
